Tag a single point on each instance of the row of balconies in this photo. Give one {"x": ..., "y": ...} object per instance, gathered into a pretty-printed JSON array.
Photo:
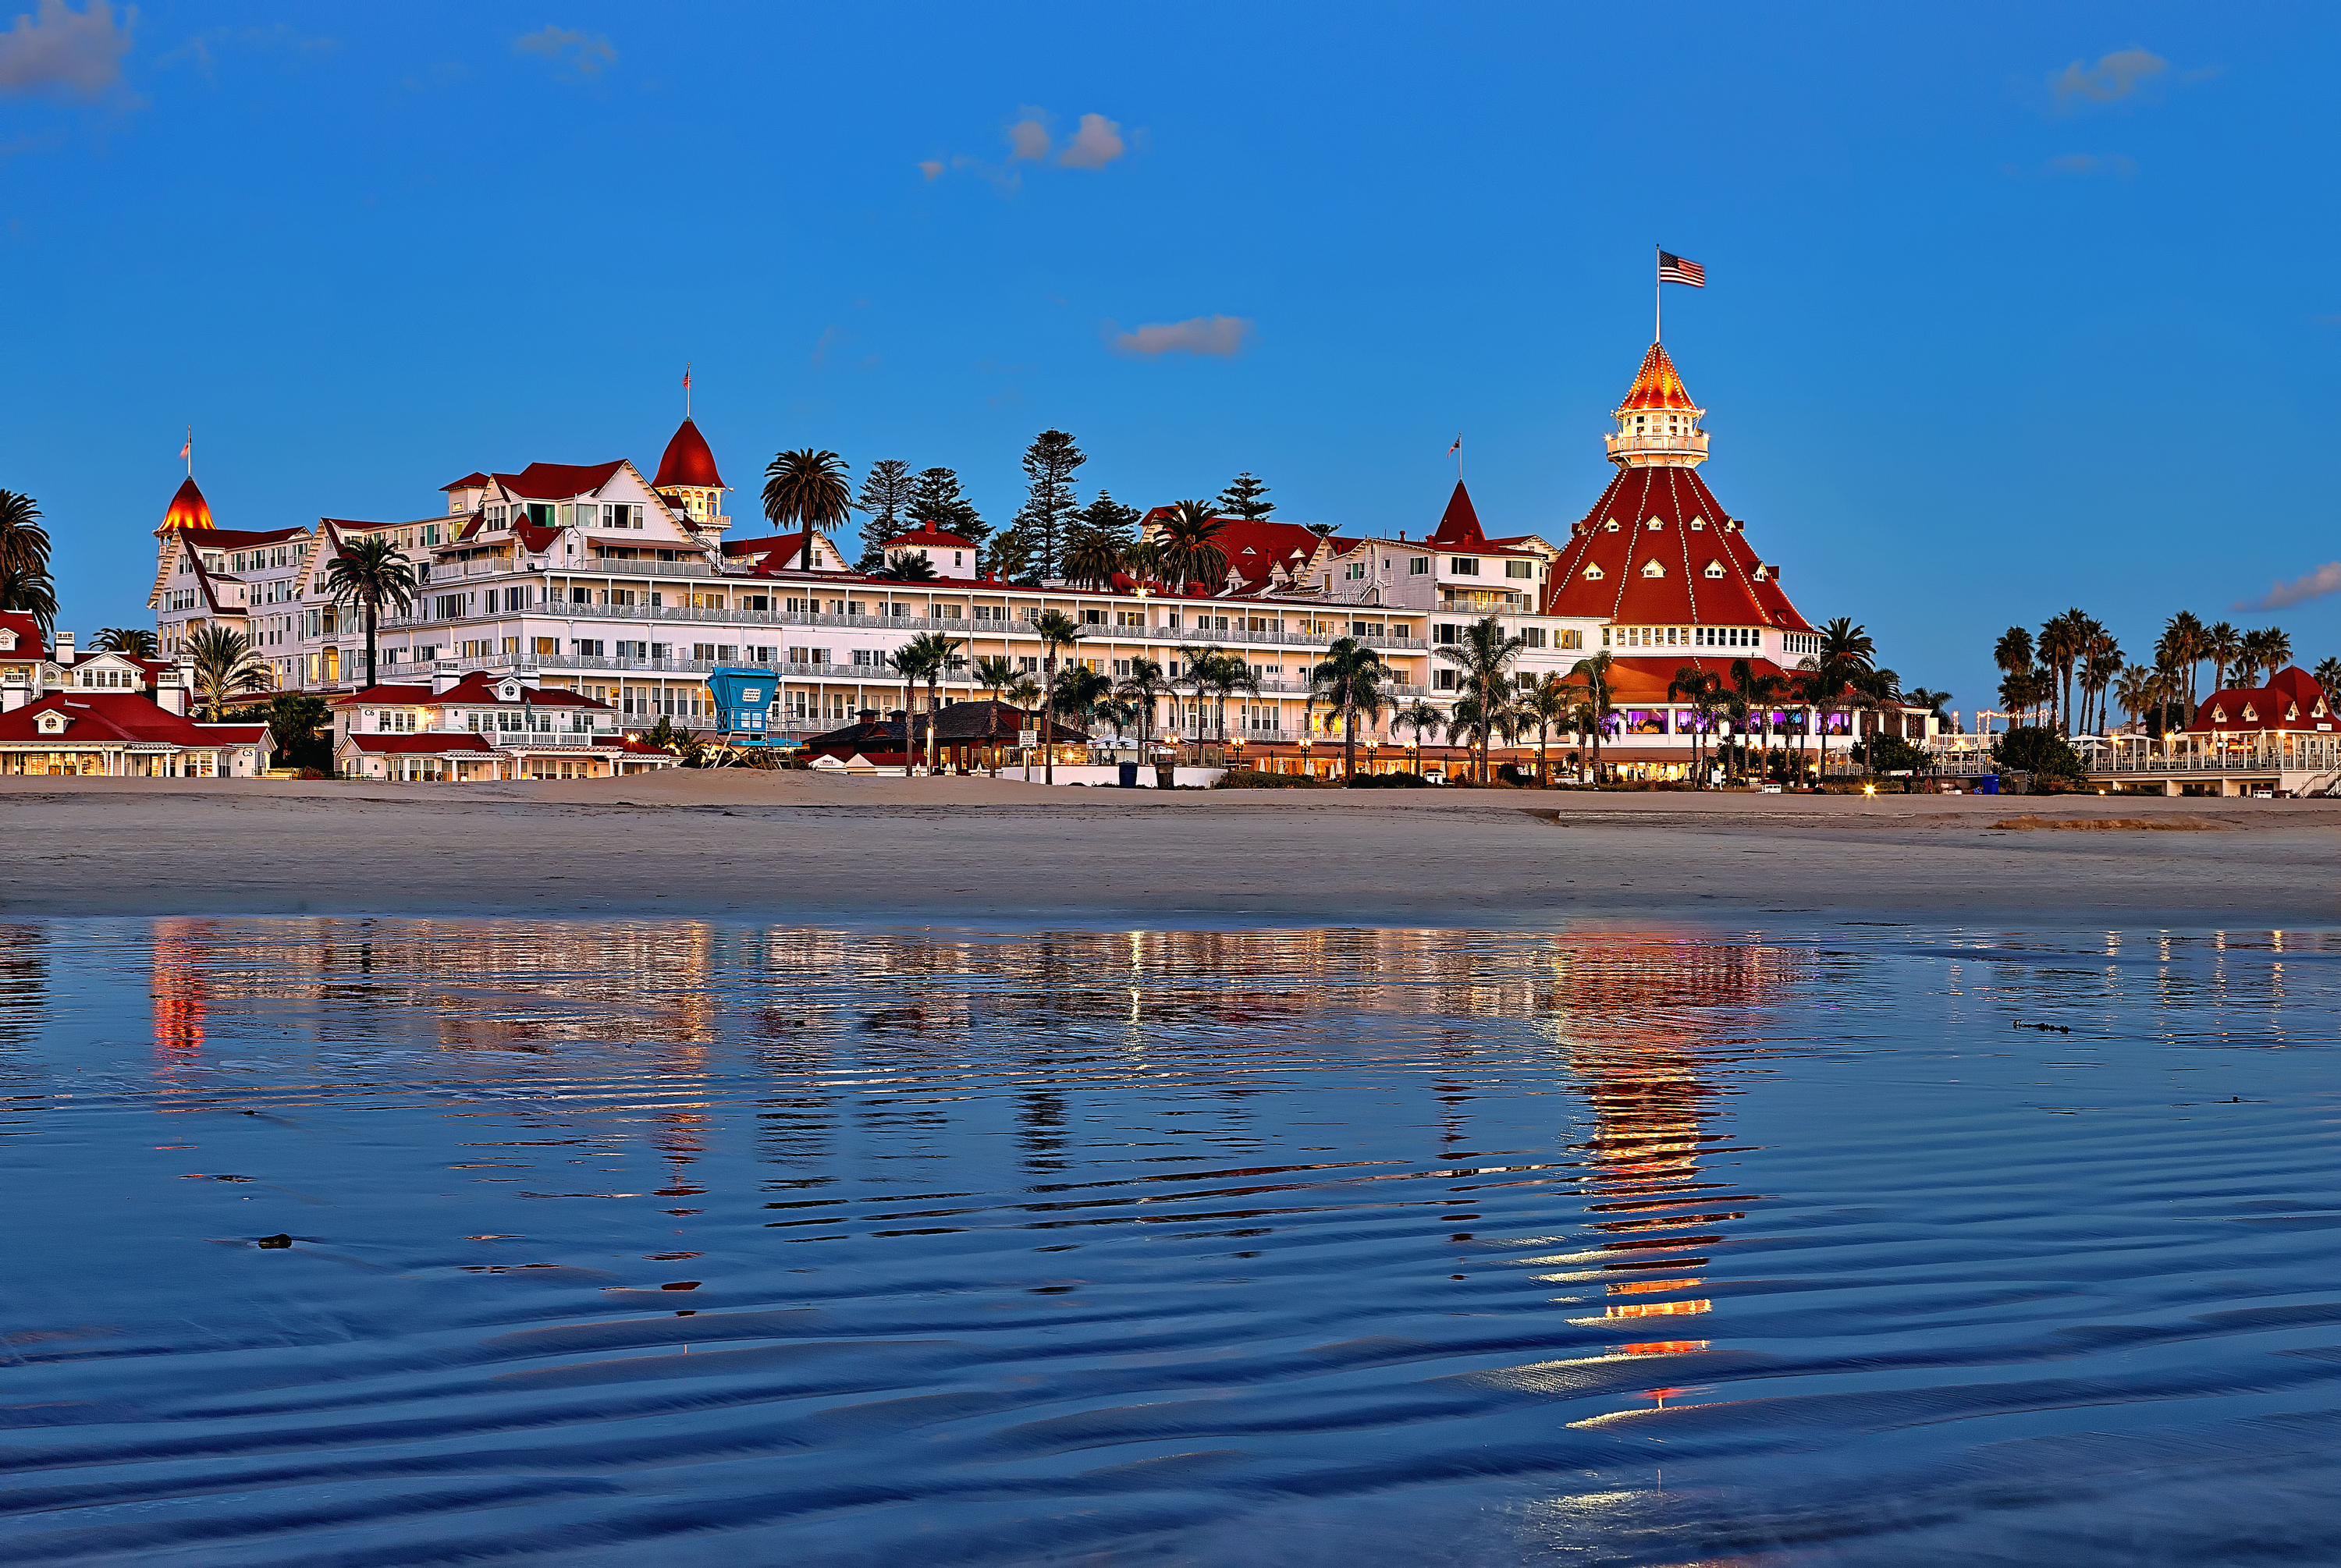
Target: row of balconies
[{"x": 1184, "y": 636}]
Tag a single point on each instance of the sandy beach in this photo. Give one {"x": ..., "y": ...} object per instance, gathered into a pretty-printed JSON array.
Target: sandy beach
[{"x": 778, "y": 847}]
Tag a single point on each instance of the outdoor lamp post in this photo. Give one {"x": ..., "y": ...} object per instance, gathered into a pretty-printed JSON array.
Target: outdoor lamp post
[{"x": 1304, "y": 755}]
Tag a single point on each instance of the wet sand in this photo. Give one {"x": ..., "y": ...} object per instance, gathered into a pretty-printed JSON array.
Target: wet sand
[{"x": 794, "y": 846}]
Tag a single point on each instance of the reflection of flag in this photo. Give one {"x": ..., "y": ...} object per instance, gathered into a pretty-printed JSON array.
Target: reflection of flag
[{"x": 1674, "y": 270}]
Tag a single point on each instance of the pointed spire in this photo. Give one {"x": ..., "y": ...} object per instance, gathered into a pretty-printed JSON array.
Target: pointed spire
[
  {"x": 1657, "y": 386},
  {"x": 189, "y": 512},
  {"x": 1460, "y": 523}
]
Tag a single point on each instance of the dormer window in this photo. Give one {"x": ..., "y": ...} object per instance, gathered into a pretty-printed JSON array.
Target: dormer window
[
  {"x": 2218, "y": 714},
  {"x": 1655, "y": 524},
  {"x": 2292, "y": 710},
  {"x": 2251, "y": 714},
  {"x": 1611, "y": 526},
  {"x": 1697, "y": 524},
  {"x": 1757, "y": 574},
  {"x": 1715, "y": 569},
  {"x": 50, "y": 723},
  {"x": 1651, "y": 567},
  {"x": 1592, "y": 574}
]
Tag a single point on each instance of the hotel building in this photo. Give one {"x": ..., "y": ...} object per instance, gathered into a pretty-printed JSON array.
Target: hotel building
[{"x": 628, "y": 592}]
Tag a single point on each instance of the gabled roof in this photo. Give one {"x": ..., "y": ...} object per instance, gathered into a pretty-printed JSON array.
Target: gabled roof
[
  {"x": 188, "y": 510},
  {"x": 122, "y": 717},
  {"x": 445, "y": 742},
  {"x": 927, "y": 536},
  {"x": 481, "y": 688},
  {"x": 30, "y": 644},
  {"x": 1659, "y": 386},
  {"x": 687, "y": 461},
  {"x": 469, "y": 482},
  {"x": 1623, "y": 588},
  {"x": 2292, "y": 699},
  {"x": 559, "y": 480},
  {"x": 244, "y": 538}
]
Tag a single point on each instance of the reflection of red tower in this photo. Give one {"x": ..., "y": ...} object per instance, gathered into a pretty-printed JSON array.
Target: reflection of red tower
[
  {"x": 177, "y": 989},
  {"x": 1648, "y": 1058}
]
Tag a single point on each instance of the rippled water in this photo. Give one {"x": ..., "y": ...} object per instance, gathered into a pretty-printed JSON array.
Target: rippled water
[{"x": 411, "y": 1242}]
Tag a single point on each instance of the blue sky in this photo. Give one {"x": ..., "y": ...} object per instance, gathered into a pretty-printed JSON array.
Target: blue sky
[{"x": 2010, "y": 308}]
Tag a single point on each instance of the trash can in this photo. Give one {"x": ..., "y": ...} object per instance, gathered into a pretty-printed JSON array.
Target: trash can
[
  {"x": 1129, "y": 774},
  {"x": 1987, "y": 785}
]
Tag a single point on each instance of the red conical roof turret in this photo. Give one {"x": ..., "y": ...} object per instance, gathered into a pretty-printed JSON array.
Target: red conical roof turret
[
  {"x": 1460, "y": 523},
  {"x": 688, "y": 462},
  {"x": 1658, "y": 386},
  {"x": 189, "y": 512}
]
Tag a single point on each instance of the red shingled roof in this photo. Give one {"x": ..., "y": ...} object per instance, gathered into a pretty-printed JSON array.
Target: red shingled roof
[
  {"x": 2292, "y": 699},
  {"x": 478, "y": 687},
  {"x": 30, "y": 644},
  {"x": 439, "y": 743},
  {"x": 1460, "y": 523},
  {"x": 928, "y": 537},
  {"x": 1682, "y": 592},
  {"x": 559, "y": 480},
  {"x": 687, "y": 461},
  {"x": 244, "y": 538},
  {"x": 469, "y": 482},
  {"x": 120, "y": 715}
]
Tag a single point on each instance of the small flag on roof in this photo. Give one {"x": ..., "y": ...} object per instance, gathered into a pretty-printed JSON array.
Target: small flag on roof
[{"x": 1674, "y": 269}]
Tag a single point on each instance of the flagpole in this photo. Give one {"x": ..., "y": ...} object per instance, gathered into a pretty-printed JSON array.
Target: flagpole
[{"x": 1658, "y": 296}]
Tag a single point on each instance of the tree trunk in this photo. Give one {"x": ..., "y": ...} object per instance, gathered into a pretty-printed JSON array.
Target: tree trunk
[
  {"x": 370, "y": 626},
  {"x": 1047, "y": 719}
]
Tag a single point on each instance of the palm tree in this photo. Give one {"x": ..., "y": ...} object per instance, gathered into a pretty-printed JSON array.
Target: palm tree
[
  {"x": 1871, "y": 691},
  {"x": 1546, "y": 703},
  {"x": 807, "y": 488},
  {"x": 2183, "y": 647},
  {"x": 1057, "y": 630},
  {"x": 2327, "y": 674},
  {"x": 1022, "y": 692},
  {"x": 2263, "y": 653},
  {"x": 1471, "y": 720},
  {"x": 2098, "y": 670},
  {"x": 26, "y": 585},
  {"x": 1351, "y": 677},
  {"x": 929, "y": 657},
  {"x": 2137, "y": 688},
  {"x": 993, "y": 673},
  {"x": 134, "y": 641},
  {"x": 1934, "y": 702},
  {"x": 909, "y": 664},
  {"x": 372, "y": 574},
  {"x": 1595, "y": 708},
  {"x": 1142, "y": 560},
  {"x": 1484, "y": 658},
  {"x": 1230, "y": 673},
  {"x": 1077, "y": 691},
  {"x": 1703, "y": 689},
  {"x": 910, "y": 566},
  {"x": 1092, "y": 558},
  {"x": 1845, "y": 652},
  {"x": 224, "y": 663},
  {"x": 2013, "y": 651},
  {"x": 1187, "y": 541},
  {"x": 1421, "y": 716},
  {"x": 2222, "y": 645},
  {"x": 1144, "y": 687}
]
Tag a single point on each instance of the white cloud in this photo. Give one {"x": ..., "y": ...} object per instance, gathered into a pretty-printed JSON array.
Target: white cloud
[
  {"x": 2092, "y": 164},
  {"x": 1221, "y": 335},
  {"x": 64, "y": 51},
  {"x": 2325, "y": 580},
  {"x": 584, "y": 54},
  {"x": 1097, "y": 143},
  {"x": 932, "y": 168},
  {"x": 2114, "y": 76},
  {"x": 1029, "y": 136}
]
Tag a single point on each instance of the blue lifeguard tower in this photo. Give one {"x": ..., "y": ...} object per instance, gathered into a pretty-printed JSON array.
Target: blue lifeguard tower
[{"x": 744, "y": 702}]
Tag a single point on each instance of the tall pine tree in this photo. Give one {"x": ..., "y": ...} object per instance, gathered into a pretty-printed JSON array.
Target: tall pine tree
[
  {"x": 935, "y": 498},
  {"x": 1048, "y": 510},
  {"x": 1109, "y": 517},
  {"x": 886, "y": 502},
  {"x": 1243, "y": 498}
]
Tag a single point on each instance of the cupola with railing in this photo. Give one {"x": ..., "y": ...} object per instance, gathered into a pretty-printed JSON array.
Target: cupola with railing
[{"x": 1657, "y": 424}]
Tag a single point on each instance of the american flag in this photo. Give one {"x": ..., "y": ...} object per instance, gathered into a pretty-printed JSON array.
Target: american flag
[{"x": 1674, "y": 270}]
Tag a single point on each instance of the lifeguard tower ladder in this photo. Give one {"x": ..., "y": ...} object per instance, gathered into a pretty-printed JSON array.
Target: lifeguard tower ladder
[{"x": 744, "y": 700}]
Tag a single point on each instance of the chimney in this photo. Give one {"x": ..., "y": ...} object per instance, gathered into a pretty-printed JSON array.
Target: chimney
[
  {"x": 171, "y": 689},
  {"x": 15, "y": 693},
  {"x": 442, "y": 680},
  {"x": 64, "y": 649}
]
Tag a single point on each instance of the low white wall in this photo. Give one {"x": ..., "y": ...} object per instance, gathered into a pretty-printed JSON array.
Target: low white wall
[{"x": 1084, "y": 773}]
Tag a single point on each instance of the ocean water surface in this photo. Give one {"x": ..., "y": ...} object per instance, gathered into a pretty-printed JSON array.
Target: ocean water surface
[{"x": 401, "y": 1242}]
